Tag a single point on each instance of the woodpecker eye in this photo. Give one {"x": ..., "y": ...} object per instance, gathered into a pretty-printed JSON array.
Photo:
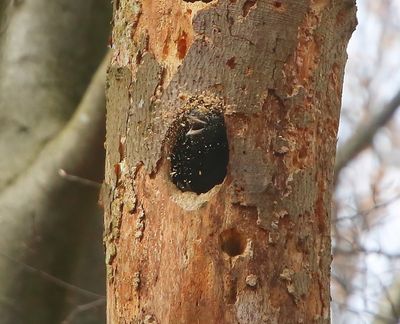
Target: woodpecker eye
[{"x": 200, "y": 154}]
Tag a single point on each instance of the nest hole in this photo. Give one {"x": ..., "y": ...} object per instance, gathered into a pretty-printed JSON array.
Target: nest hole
[{"x": 200, "y": 154}]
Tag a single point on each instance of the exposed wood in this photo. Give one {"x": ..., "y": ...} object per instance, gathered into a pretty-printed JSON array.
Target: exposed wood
[{"x": 256, "y": 248}]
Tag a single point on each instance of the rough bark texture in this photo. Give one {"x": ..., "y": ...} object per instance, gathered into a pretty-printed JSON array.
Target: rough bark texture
[{"x": 256, "y": 248}]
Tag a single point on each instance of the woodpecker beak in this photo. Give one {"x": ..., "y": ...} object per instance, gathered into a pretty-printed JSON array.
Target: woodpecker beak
[
  {"x": 196, "y": 120},
  {"x": 193, "y": 132},
  {"x": 198, "y": 125}
]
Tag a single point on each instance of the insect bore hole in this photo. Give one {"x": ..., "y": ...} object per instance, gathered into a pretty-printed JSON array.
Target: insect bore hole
[
  {"x": 199, "y": 156},
  {"x": 232, "y": 243}
]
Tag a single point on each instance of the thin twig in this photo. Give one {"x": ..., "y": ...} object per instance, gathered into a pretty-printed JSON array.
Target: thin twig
[
  {"x": 52, "y": 279},
  {"x": 74, "y": 178},
  {"x": 83, "y": 308},
  {"x": 359, "y": 250},
  {"x": 363, "y": 213}
]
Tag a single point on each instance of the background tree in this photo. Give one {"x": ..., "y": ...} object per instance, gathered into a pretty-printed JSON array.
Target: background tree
[
  {"x": 49, "y": 52},
  {"x": 365, "y": 222},
  {"x": 256, "y": 247}
]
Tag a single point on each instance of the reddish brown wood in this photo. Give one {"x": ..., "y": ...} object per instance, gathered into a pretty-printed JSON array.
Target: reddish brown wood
[{"x": 256, "y": 248}]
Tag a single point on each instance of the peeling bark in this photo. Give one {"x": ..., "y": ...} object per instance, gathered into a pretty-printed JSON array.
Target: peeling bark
[{"x": 256, "y": 248}]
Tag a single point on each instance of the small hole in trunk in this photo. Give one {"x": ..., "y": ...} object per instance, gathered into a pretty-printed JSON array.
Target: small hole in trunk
[{"x": 232, "y": 243}]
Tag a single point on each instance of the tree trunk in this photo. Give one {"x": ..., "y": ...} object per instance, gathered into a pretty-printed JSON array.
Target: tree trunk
[{"x": 195, "y": 236}]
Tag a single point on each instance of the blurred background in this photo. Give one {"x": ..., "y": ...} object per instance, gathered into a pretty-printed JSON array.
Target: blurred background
[
  {"x": 52, "y": 110},
  {"x": 366, "y": 216}
]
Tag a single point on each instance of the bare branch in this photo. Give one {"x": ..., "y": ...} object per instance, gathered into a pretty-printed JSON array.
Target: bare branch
[
  {"x": 48, "y": 53},
  {"x": 363, "y": 213},
  {"x": 46, "y": 276},
  {"x": 390, "y": 305},
  {"x": 364, "y": 134},
  {"x": 83, "y": 308},
  {"x": 62, "y": 209},
  {"x": 71, "y": 177},
  {"x": 358, "y": 250}
]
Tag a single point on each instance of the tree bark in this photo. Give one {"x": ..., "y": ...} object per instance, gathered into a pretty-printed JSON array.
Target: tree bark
[{"x": 256, "y": 247}]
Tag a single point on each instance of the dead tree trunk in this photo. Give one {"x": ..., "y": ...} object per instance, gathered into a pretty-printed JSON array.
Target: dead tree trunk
[{"x": 221, "y": 133}]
